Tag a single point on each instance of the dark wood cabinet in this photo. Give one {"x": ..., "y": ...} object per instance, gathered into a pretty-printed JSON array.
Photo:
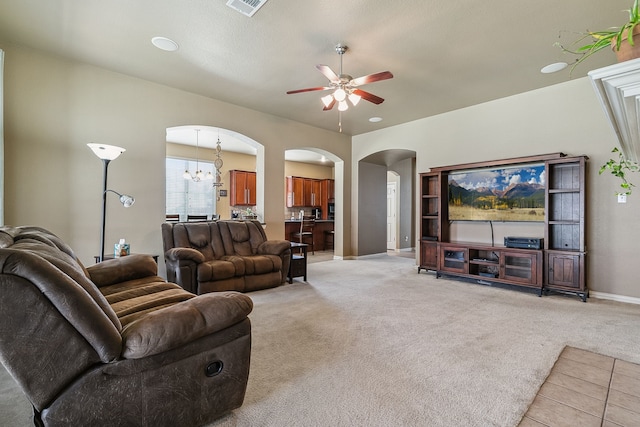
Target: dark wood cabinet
[
  {"x": 558, "y": 266},
  {"x": 312, "y": 192},
  {"x": 454, "y": 259},
  {"x": 327, "y": 195},
  {"x": 521, "y": 267},
  {"x": 433, "y": 208},
  {"x": 243, "y": 188},
  {"x": 319, "y": 231},
  {"x": 295, "y": 192},
  {"x": 308, "y": 193},
  {"x": 499, "y": 264},
  {"x": 564, "y": 270},
  {"x": 565, "y": 226},
  {"x": 428, "y": 255}
]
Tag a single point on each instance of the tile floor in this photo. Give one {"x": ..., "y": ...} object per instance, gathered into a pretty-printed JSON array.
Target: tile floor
[{"x": 587, "y": 389}]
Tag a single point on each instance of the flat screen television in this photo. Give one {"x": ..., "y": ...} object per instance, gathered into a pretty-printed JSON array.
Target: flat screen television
[{"x": 507, "y": 193}]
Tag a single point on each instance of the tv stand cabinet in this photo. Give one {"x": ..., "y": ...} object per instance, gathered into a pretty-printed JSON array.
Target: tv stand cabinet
[
  {"x": 495, "y": 264},
  {"x": 558, "y": 267}
]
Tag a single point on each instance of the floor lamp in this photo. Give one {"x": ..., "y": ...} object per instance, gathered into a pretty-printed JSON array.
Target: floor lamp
[{"x": 106, "y": 153}]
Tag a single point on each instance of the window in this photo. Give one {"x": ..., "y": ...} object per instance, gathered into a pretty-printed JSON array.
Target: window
[{"x": 184, "y": 196}]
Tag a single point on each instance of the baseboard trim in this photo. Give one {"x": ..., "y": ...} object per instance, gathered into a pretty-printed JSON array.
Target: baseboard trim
[{"x": 614, "y": 297}]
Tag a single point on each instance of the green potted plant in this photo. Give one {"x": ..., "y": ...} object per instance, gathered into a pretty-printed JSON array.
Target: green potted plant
[
  {"x": 619, "y": 168},
  {"x": 613, "y": 37}
]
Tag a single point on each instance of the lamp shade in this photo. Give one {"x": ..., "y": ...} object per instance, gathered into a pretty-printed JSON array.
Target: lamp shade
[
  {"x": 106, "y": 152},
  {"x": 127, "y": 200}
]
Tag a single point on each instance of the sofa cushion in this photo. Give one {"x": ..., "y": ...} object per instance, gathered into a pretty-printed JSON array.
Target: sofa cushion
[
  {"x": 183, "y": 323},
  {"x": 135, "y": 298},
  {"x": 218, "y": 269},
  {"x": 262, "y": 264}
]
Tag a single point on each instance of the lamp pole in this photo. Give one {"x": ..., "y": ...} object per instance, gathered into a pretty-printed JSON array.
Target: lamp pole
[
  {"x": 106, "y": 153},
  {"x": 105, "y": 163}
]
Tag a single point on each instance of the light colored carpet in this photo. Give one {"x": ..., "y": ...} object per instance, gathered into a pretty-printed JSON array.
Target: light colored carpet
[{"x": 372, "y": 343}]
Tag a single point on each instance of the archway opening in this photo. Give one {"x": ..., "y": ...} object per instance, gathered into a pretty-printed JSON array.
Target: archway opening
[
  {"x": 372, "y": 201},
  {"x": 192, "y": 147}
]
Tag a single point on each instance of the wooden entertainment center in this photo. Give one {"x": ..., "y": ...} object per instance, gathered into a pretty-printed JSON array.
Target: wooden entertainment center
[{"x": 558, "y": 264}]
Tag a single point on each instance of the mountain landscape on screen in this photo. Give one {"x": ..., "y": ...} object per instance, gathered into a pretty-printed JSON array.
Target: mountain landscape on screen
[{"x": 498, "y": 194}]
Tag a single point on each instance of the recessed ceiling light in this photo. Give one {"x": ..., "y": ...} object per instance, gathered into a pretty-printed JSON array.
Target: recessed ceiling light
[
  {"x": 165, "y": 44},
  {"x": 375, "y": 119},
  {"x": 553, "y": 68}
]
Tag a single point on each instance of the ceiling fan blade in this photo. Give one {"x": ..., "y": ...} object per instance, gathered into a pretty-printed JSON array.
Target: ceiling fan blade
[
  {"x": 383, "y": 75},
  {"x": 368, "y": 96},
  {"x": 328, "y": 73},
  {"x": 310, "y": 89},
  {"x": 330, "y": 106}
]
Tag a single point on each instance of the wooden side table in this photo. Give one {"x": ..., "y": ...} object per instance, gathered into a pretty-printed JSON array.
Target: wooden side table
[{"x": 298, "y": 266}]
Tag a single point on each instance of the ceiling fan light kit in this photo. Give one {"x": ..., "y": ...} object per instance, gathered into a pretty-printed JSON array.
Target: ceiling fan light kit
[{"x": 344, "y": 86}]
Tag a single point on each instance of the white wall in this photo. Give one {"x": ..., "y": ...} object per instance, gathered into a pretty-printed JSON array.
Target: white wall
[
  {"x": 406, "y": 190},
  {"x": 562, "y": 118}
]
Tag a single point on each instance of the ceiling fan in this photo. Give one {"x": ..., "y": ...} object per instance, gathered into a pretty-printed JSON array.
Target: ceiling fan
[{"x": 345, "y": 87}]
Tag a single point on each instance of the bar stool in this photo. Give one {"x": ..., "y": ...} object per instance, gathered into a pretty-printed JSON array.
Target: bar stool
[
  {"x": 305, "y": 235},
  {"x": 328, "y": 239}
]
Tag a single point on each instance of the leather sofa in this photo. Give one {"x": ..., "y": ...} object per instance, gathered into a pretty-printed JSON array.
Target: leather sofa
[
  {"x": 225, "y": 255},
  {"x": 115, "y": 344}
]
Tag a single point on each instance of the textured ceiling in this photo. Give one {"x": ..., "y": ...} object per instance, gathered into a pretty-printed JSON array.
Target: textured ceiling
[{"x": 444, "y": 54}]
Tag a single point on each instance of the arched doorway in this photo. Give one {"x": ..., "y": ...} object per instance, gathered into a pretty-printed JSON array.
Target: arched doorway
[
  {"x": 315, "y": 163},
  {"x": 195, "y": 146},
  {"x": 372, "y": 201}
]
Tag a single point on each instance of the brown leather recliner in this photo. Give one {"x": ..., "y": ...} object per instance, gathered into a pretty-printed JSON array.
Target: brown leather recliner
[
  {"x": 216, "y": 256},
  {"x": 114, "y": 344}
]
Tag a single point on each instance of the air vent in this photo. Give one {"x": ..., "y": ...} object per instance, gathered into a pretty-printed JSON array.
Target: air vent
[{"x": 246, "y": 7}]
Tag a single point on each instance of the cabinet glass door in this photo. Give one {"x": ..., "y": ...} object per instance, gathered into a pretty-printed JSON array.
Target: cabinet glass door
[
  {"x": 519, "y": 267},
  {"x": 453, "y": 259}
]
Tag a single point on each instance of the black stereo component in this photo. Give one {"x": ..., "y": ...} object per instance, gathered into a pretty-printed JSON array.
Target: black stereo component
[{"x": 523, "y": 242}]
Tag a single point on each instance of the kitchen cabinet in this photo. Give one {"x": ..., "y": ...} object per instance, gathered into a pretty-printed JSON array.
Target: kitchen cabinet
[
  {"x": 243, "y": 188},
  {"x": 327, "y": 192},
  {"x": 312, "y": 192},
  {"x": 321, "y": 227},
  {"x": 295, "y": 192},
  {"x": 304, "y": 192}
]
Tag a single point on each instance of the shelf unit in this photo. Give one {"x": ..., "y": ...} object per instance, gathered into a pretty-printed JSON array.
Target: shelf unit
[
  {"x": 433, "y": 229},
  {"x": 559, "y": 266},
  {"x": 564, "y": 239}
]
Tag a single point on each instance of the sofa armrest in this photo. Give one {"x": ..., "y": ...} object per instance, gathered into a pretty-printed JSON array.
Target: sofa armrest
[
  {"x": 174, "y": 326},
  {"x": 274, "y": 247},
  {"x": 122, "y": 269},
  {"x": 178, "y": 254}
]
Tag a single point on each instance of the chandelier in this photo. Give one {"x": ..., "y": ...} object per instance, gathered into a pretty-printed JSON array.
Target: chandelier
[
  {"x": 199, "y": 175},
  {"x": 218, "y": 164}
]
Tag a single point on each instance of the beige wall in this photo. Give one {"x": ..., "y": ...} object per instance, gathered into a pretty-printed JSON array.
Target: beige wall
[
  {"x": 54, "y": 107},
  {"x": 565, "y": 117}
]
